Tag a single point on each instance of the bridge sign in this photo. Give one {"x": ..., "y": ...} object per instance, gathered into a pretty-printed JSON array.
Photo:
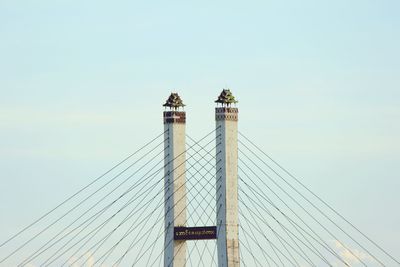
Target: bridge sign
[{"x": 195, "y": 233}]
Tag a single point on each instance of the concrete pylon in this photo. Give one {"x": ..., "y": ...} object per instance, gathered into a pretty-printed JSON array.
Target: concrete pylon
[
  {"x": 227, "y": 181},
  {"x": 174, "y": 181}
]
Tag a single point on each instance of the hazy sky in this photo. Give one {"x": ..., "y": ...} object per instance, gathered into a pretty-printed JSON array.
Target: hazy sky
[{"x": 82, "y": 84}]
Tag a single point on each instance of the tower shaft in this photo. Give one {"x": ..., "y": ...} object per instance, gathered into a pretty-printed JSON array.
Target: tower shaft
[
  {"x": 227, "y": 186},
  {"x": 174, "y": 186}
]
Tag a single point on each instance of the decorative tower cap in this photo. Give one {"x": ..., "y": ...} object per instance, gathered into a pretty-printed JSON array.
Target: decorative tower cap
[
  {"x": 174, "y": 101},
  {"x": 226, "y": 98}
]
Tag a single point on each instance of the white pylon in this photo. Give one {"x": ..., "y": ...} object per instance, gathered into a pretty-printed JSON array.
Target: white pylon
[
  {"x": 174, "y": 182},
  {"x": 227, "y": 181}
]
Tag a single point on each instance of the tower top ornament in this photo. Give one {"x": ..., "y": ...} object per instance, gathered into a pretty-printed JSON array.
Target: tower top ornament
[
  {"x": 174, "y": 101},
  {"x": 226, "y": 98}
]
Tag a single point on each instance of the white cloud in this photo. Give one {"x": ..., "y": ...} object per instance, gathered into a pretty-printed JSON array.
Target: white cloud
[
  {"x": 90, "y": 259},
  {"x": 351, "y": 255}
]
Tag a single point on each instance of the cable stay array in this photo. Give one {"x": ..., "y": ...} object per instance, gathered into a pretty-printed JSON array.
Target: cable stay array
[
  {"x": 117, "y": 219},
  {"x": 284, "y": 223}
]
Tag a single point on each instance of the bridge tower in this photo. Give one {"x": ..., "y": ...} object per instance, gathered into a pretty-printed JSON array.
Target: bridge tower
[
  {"x": 226, "y": 118},
  {"x": 174, "y": 180},
  {"x": 227, "y": 229}
]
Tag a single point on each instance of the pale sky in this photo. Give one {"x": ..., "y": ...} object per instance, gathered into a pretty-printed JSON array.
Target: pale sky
[{"x": 318, "y": 84}]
